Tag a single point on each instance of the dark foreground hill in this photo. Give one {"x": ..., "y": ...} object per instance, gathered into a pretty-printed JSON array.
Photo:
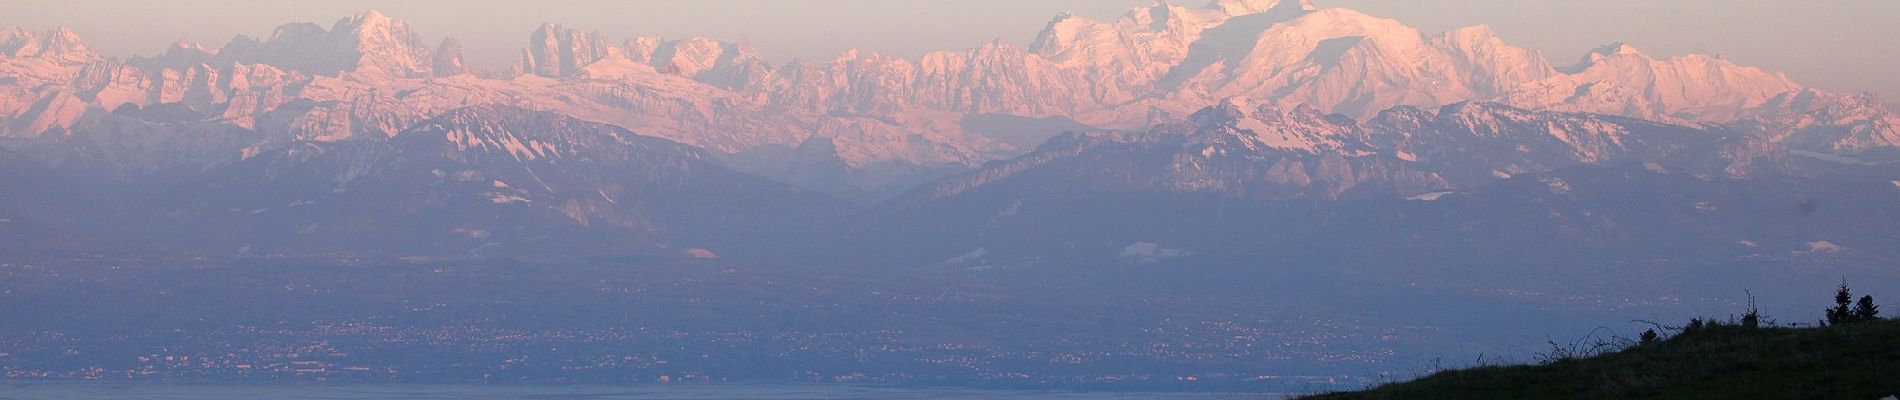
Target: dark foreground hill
[{"x": 1852, "y": 361}]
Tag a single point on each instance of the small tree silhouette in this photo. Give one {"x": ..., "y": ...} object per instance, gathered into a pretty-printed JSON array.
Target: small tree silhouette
[
  {"x": 1840, "y": 313},
  {"x": 1649, "y": 336},
  {"x": 1866, "y": 310}
]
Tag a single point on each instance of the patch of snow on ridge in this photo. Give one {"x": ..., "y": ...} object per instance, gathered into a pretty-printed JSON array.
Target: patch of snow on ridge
[
  {"x": 502, "y": 198},
  {"x": 973, "y": 255},
  {"x": 1556, "y": 185},
  {"x": 1149, "y": 252},
  {"x": 1279, "y": 138},
  {"x": 1433, "y": 196},
  {"x": 701, "y": 253}
]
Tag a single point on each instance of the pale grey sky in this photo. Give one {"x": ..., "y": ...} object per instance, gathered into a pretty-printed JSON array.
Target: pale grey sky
[{"x": 1849, "y": 45}]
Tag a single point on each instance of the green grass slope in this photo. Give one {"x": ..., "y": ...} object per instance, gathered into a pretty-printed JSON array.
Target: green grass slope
[{"x": 1850, "y": 361}]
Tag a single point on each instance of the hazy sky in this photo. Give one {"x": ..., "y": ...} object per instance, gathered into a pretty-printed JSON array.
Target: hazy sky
[{"x": 1851, "y": 45}]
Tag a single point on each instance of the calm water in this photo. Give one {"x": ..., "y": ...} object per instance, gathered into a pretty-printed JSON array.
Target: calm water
[{"x": 107, "y": 391}]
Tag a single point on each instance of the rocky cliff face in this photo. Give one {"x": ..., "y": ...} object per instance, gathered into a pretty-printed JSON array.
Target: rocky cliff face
[
  {"x": 556, "y": 51},
  {"x": 448, "y": 58}
]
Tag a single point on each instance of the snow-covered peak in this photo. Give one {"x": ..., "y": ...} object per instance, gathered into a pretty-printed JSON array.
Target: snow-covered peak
[
  {"x": 1129, "y": 55},
  {"x": 848, "y": 55},
  {"x": 1262, "y": 55},
  {"x": 1478, "y": 44},
  {"x": 1832, "y": 123},
  {"x": 1238, "y": 121},
  {"x": 1246, "y": 7},
  {"x": 641, "y": 48},
  {"x": 186, "y": 46},
  {"x": 1606, "y": 52},
  {"x": 1618, "y": 79},
  {"x": 1854, "y": 106},
  {"x": 57, "y": 44},
  {"x": 1483, "y": 116},
  {"x": 371, "y": 18},
  {"x": 1002, "y": 46},
  {"x": 370, "y": 45},
  {"x": 1352, "y": 22},
  {"x": 1154, "y": 28},
  {"x": 693, "y": 55},
  {"x": 1618, "y": 49},
  {"x": 1472, "y": 37},
  {"x": 1577, "y": 137},
  {"x": 508, "y": 132},
  {"x": 381, "y": 45}
]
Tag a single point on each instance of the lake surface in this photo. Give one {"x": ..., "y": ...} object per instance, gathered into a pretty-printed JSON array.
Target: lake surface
[{"x": 117, "y": 391}]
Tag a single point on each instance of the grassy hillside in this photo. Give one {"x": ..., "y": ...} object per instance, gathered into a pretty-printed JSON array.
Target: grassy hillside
[{"x": 1849, "y": 361}]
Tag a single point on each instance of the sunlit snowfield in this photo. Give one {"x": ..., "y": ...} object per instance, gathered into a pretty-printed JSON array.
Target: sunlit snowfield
[{"x": 486, "y": 392}]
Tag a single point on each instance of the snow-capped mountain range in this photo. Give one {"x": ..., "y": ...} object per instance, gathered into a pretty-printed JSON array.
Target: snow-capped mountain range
[
  {"x": 1272, "y": 100},
  {"x": 893, "y": 122}
]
